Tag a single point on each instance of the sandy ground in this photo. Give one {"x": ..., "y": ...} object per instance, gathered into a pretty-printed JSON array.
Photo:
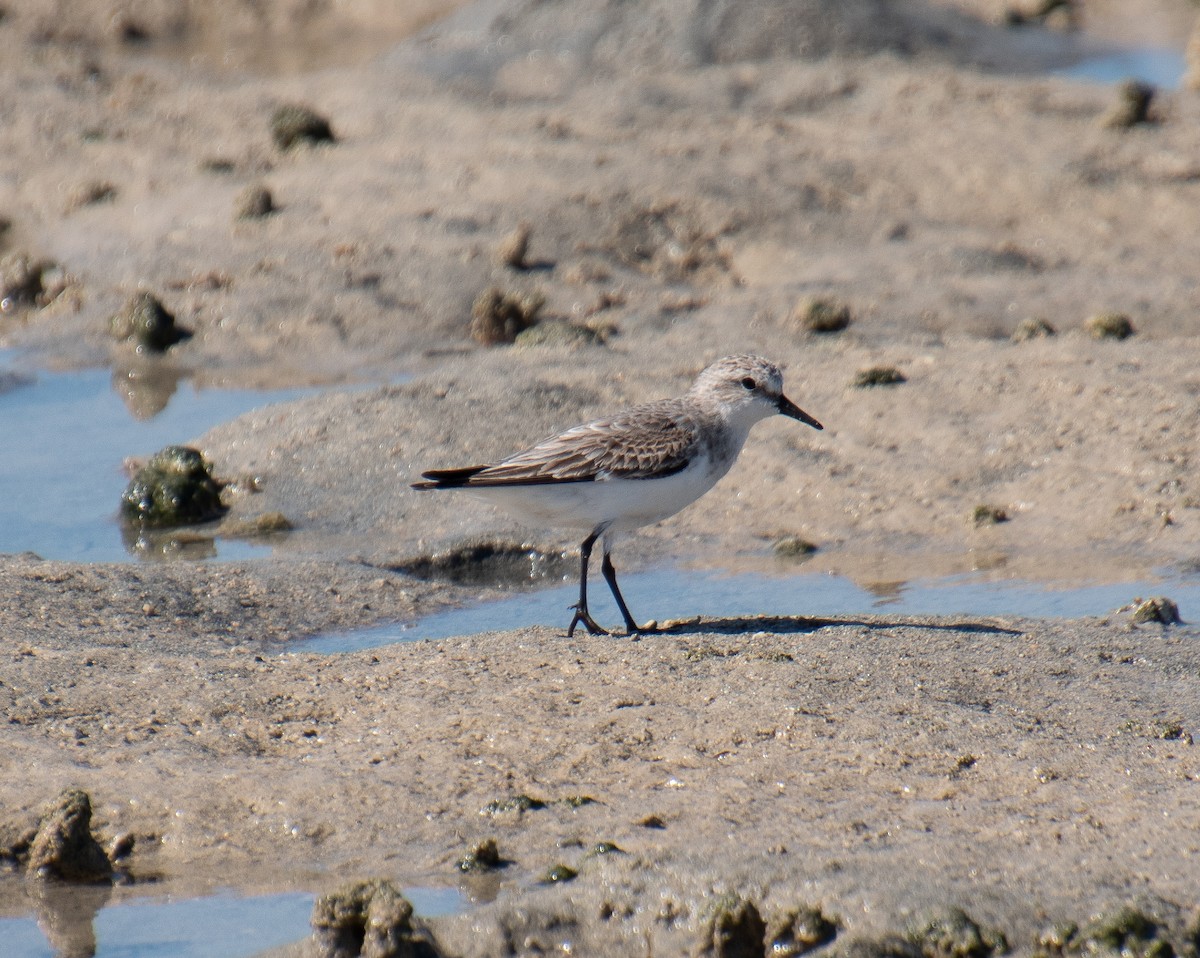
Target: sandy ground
[{"x": 689, "y": 179}]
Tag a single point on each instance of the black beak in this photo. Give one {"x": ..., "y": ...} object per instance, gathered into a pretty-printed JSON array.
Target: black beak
[{"x": 789, "y": 408}]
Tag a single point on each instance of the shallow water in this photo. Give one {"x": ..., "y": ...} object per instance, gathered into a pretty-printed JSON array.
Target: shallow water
[
  {"x": 682, "y": 593},
  {"x": 1160, "y": 66},
  {"x": 218, "y": 926},
  {"x": 65, "y": 437}
]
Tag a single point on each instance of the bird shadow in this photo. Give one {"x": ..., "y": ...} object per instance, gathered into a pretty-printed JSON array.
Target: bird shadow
[{"x": 794, "y": 624}]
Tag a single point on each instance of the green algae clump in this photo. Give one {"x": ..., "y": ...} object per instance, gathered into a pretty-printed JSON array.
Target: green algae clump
[
  {"x": 517, "y": 803},
  {"x": 292, "y": 125},
  {"x": 1109, "y": 326},
  {"x": 559, "y": 875},
  {"x": 985, "y": 515},
  {"x": 1032, "y": 327},
  {"x": 952, "y": 933},
  {"x": 800, "y": 931},
  {"x": 793, "y": 547},
  {"x": 576, "y": 801},
  {"x": 148, "y": 323},
  {"x": 1157, "y": 608},
  {"x": 176, "y": 487},
  {"x": 1128, "y": 932},
  {"x": 822, "y": 315},
  {"x": 878, "y": 376}
]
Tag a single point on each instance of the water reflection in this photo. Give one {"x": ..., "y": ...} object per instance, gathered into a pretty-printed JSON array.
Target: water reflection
[
  {"x": 146, "y": 385},
  {"x": 66, "y": 915}
]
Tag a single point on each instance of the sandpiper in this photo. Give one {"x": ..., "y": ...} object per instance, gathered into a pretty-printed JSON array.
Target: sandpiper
[{"x": 634, "y": 468}]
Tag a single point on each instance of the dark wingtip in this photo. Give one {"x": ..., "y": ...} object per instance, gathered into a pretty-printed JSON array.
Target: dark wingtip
[{"x": 448, "y": 478}]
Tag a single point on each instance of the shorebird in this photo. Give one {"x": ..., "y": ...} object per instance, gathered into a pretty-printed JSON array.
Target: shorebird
[{"x": 631, "y": 469}]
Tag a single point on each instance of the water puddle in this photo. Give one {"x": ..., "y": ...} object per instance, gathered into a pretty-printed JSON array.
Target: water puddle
[
  {"x": 65, "y": 437},
  {"x": 683, "y": 593},
  {"x": 80, "y": 922},
  {"x": 1159, "y": 66}
]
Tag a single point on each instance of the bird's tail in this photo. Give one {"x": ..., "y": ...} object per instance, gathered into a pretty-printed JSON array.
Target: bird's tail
[{"x": 448, "y": 478}]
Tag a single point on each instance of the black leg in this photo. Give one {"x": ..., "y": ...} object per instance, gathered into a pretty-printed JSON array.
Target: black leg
[
  {"x": 610, "y": 576},
  {"x": 581, "y": 610}
]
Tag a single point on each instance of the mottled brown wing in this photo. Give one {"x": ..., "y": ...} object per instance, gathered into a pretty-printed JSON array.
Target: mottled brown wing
[{"x": 651, "y": 440}]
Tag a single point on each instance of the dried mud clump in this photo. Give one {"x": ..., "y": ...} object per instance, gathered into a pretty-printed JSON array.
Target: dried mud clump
[
  {"x": 514, "y": 248},
  {"x": 498, "y": 317},
  {"x": 1109, "y": 326},
  {"x": 90, "y": 193},
  {"x": 821, "y": 315},
  {"x": 735, "y": 930},
  {"x": 176, "y": 487},
  {"x": 23, "y": 282},
  {"x": 878, "y": 376},
  {"x": 799, "y": 932},
  {"x": 371, "y": 919},
  {"x": 952, "y": 933},
  {"x": 292, "y": 125},
  {"x": 148, "y": 323},
  {"x": 253, "y": 203},
  {"x": 64, "y": 847},
  {"x": 1032, "y": 328},
  {"x": 1134, "y": 98},
  {"x": 1155, "y": 609}
]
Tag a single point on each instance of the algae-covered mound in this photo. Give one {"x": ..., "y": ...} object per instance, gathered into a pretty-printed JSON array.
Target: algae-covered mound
[
  {"x": 371, "y": 918},
  {"x": 64, "y": 847},
  {"x": 175, "y": 487},
  {"x": 148, "y": 323}
]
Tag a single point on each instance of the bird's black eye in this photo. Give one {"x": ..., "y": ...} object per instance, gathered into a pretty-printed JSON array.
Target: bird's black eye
[{"x": 749, "y": 383}]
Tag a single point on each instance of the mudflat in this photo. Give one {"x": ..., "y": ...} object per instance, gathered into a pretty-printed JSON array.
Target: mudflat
[{"x": 650, "y": 187}]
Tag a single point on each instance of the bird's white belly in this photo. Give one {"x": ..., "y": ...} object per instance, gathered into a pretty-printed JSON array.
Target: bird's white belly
[{"x": 622, "y": 504}]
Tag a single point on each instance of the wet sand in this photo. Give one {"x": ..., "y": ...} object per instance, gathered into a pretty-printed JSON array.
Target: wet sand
[{"x": 683, "y": 199}]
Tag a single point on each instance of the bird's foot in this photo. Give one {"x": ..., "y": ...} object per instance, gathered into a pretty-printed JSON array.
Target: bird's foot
[
  {"x": 582, "y": 615},
  {"x": 636, "y": 631}
]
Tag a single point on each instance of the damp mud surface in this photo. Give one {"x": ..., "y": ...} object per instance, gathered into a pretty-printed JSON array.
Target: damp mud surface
[{"x": 669, "y": 185}]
